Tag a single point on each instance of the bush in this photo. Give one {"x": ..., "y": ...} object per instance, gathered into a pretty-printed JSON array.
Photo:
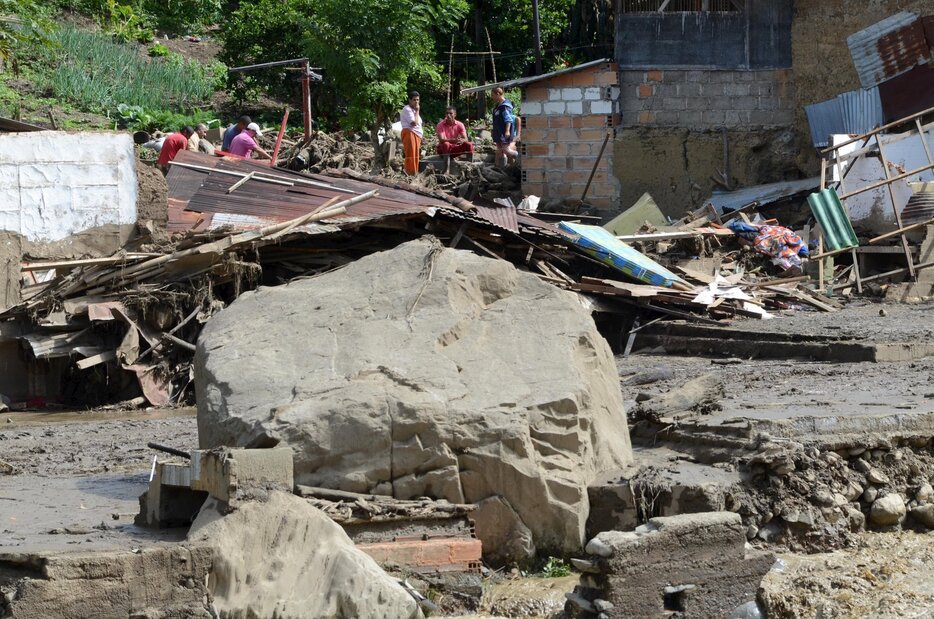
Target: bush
[
  {"x": 158, "y": 50},
  {"x": 183, "y": 16},
  {"x": 96, "y": 74},
  {"x": 555, "y": 568}
]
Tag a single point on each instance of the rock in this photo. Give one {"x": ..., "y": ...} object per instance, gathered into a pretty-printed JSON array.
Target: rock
[
  {"x": 924, "y": 514},
  {"x": 749, "y": 610},
  {"x": 650, "y": 376},
  {"x": 285, "y": 558},
  {"x": 862, "y": 466},
  {"x": 853, "y": 490},
  {"x": 870, "y": 494},
  {"x": 823, "y": 497},
  {"x": 887, "y": 511},
  {"x": 599, "y": 548},
  {"x": 925, "y": 494},
  {"x": 875, "y": 476},
  {"x": 423, "y": 371},
  {"x": 6, "y": 468},
  {"x": 751, "y": 532},
  {"x": 771, "y": 532},
  {"x": 699, "y": 396},
  {"x": 855, "y": 518},
  {"x": 505, "y": 538}
]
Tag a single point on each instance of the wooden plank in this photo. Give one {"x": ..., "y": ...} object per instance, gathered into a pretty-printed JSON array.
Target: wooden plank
[
  {"x": 240, "y": 182},
  {"x": 669, "y": 236},
  {"x": 103, "y": 357},
  {"x": 703, "y": 278},
  {"x": 65, "y": 264}
]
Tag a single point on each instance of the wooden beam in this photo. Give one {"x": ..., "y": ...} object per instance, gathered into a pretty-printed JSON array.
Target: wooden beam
[
  {"x": 868, "y": 134},
  {"x": 93, "y": 360},
  {"x": 680, "y": 234}
]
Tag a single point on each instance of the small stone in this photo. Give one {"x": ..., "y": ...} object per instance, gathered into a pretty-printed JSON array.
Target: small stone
[
  {"x": 785, "y": 468},
  {"x": 856, "y": 451},
  {"x": 578, "y": 600},
  {"x": 853, "y": 490},
  {"x": 887, "y": 511},
  {"x": 839, "y": 499},
  {"x": 823, "y": 498},
  {"x": 862, "y": 466},
  {"x": 870, "y": 494},
  {"x": 583, "y": 565},
  {"x": 597, "y": 547},
  {"x": 883, "y": 313},
  {"x": 877, "y": 454},
  {"x": 925, "y": 494},
  {"x": 875, "y": 476},
  {"x": 924, "y": 514},
  {"x": 856, "y": 518},
  {"x": 751, "y": 532},
  {"x": 602, "y": 605},
  {"x": 831, "y": 457}
]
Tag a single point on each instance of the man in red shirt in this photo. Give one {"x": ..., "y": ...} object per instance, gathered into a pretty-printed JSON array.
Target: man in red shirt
[
  {"x": 171, "y": 147},
  {"x": 452, "y": 135}
]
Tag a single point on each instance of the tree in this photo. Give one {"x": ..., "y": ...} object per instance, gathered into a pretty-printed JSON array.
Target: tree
[{"x": 373, "y": 51}]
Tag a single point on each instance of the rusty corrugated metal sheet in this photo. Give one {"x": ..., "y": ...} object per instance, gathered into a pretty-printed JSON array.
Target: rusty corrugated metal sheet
[
  {"x": 889, "y": 48},
  {"x": 500, "y": 216},
  {"x": 908, "y": 93}
]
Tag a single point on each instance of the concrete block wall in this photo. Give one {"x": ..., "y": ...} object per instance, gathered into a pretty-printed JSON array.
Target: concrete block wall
[
  {"x": 564, "y": 121},
  {"x": 705, "y": 99}
]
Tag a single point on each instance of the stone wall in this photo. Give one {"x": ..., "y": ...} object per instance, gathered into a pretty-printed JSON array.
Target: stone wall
[
  {"x": 707, "y": 99},
  {"x": 564, "y": 121}
]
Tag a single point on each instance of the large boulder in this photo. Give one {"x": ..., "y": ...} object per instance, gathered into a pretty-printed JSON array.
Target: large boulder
[
  {"x": 284, "y": 558},
  {"x": 422, "y": 371}
]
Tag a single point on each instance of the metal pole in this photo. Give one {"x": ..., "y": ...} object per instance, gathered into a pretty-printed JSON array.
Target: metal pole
[
  {"x": 306, "y": 100},
  {"x": 538, "y": 38}
]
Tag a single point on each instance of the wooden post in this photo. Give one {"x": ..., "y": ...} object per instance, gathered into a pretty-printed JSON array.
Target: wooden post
[
  {"x": 275, "y": 151},
  {"x": 306, "y": 100},
  {"x": 898, "y": 216},
  {"x": 856, "y": 259}
]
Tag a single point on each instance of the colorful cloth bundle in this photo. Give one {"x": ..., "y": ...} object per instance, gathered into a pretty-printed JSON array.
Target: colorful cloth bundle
[{"x": 784, "y": 246}]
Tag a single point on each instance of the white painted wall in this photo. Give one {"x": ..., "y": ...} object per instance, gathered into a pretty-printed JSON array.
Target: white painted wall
[{"x": 54, "y": 184}]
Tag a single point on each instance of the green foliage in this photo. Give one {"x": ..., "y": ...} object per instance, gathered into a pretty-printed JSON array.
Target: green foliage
[
  {"x": 125, "y": 21},
  {"x": 23, "y": 23},
  {"x": 556, "y": 568},
  {"x": 183, "y": 16},
  {"x": 96, "y": 74},
  {"x": 135, "y": 118},
  {"x": 158, "y": 50}
]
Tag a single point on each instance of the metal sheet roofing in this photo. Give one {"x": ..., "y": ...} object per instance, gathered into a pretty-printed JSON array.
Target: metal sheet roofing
[
  {"x": 888, "y": 48},
  {"x": 908, "y": 93},
  {"x": 854, "y": 112},
  {"x": 763, "y": 194},
  {"x": 535, "y": 78},
  {"x": 835, "y": 225}
]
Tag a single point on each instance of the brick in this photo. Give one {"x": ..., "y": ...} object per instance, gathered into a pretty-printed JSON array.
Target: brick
[
  {"x": 532, "y": 150},
  {"x": 558, "y": 149},
  {"x": 421, "y": 553},
  {"x": 554, "y": 94},
  {"x": 654, "y": 76},
  {"x": 559, "y": 122},
  {"x": 583, "y": 162},
  {"x": 533, "y": 188},
  {"x": 583, "y": 79},
  {"x": 592, "y": 135},
  {"x": 533, "y": 163},
  {"x": 572, "y": 94},
  {"x": 580, "y": 148},
  {"x": 592, "y": 93},
  {"x": 645, "y": 90},
  {"x": 646, "y": 118},
  {"x": 575, "y": 107},
  {"x": 555, "y": 107},
  {"x": 531, "y": 108},
  {"x": 534, "y": 122},
  {"x": 607, "y": 78},
  {"x": 532, "y": 136},
  {"x": 601, "y": 107},
  {"x": 567, "y": 135},
  {"x": 537, "y": 93}
]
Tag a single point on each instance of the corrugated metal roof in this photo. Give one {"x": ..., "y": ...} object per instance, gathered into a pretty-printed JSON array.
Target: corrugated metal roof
[
  {"x": 920, "y": 207},
  {"x": 907, "y": 94},
  {"x": 500, "y": 216},
  {"x": 888, "y": 48},
  {"x": 763, "y": 194},
  {"x": 854, "y": 112},
  {"x": 522, "y": 81},
  {"x": 835, "y": 225}
]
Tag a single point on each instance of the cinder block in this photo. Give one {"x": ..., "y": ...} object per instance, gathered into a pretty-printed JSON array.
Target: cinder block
[
  {"x": 531, "y": 108},
  {"x": 714, "y": 117},
  {"x": 631, "y": 78},
  {"x": 745, "y": 103},
  {"x": 572, "y": 94},
  {"x": 592, "y": 93},
  {"x": 675, "y": 103},
  {"x": 646, "y": 118},
  {"x": 555, "y": 107},
  {"x": 601, "y": 107},
  {"x": 575, "y": 107},
  {"x": 711, "y": 89},
  {"x": 554, "y": 94},
  {"x": 226, "y": 473},
  {"x": 736, "y": 90}
]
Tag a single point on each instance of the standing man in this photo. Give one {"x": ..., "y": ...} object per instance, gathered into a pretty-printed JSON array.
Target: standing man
[
  {"x": 234, "y": 130},
  {"x": 244, "y": 143},
  {"x": 452, "y": 135},
  {"x": 411, "y": 122},
  {"x": 171, "y": 147},
  {"x": 201, "y": 131},
  {"x": 503, "y": 122}
]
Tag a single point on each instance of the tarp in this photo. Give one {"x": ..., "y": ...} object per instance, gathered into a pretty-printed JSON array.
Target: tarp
[
  {"x": 835, "y": 225},
  {"x": 606, "y": 248}
]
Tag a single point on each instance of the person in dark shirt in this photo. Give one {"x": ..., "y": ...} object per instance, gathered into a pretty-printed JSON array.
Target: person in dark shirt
[{"x": 233, "y": 130}]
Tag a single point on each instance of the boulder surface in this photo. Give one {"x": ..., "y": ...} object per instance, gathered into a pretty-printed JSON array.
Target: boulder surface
[{"x": 422, "y": 371}]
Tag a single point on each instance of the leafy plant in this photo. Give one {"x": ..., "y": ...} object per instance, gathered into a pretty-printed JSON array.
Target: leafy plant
[
  {"x": 556, "y": 568},
  {"x": 158, "y": 50},
  {"x": 125, "y": 22},
  {"x": 23, "y": 23},
  {"x": 184, "y": 16},
  {"x": 136, "y": 118}
]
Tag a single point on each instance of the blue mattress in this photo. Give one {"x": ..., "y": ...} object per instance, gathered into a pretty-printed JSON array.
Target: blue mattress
[{"x": 602, "y": 245}]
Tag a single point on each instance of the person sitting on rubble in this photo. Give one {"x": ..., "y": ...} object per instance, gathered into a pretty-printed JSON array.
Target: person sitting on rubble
[
  {"x": 244, "y": 143},
  {"x": 452, "y": 135},
  {"x": 198, "y": 140},
  {"x": 504, "y": 122},
  {"x": 235, "y": 130},
  {"x": 173, "y": 144}
]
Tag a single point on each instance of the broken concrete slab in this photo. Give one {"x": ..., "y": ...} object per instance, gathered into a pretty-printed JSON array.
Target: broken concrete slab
[
  {"x": 284, "y": 558},
  {"x": 422, "y": 371},
  {"x": 696, "y": 564}
]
